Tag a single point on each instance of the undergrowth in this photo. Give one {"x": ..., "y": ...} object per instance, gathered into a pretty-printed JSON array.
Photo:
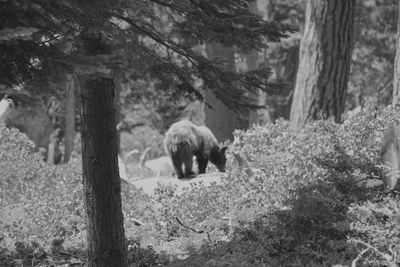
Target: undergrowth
[{"x": 289, "y": 199}]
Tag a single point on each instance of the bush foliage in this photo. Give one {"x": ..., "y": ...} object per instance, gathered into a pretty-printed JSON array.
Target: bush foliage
[
  {"x": 42, "y": 205},
  {"x": 288, "y": 199},
  {"x": 296, "y": 198}
]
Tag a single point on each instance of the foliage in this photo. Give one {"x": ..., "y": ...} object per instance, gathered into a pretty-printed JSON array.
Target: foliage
[
  {"x": 141, "y": 138},
  {"x": 42, "y": 206},
  {"x": 288, "y": 198},
  {"x": 294, "y": 198},
  {"x": 374, "y": 49},
  {"x": 148, "y": 39}
]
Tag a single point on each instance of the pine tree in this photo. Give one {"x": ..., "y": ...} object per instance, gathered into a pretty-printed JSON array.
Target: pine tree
[{"x": 325, "y": 55}]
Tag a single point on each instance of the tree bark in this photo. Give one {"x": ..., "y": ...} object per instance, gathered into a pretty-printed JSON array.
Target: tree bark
[
  {"x": 118, "y": 79},
  {"x": 261, "y": 115},
  {"x": 325, "y": 54},
  {"x": 52, "y": 147},
  {"x": 6, "y": 105},
  {"x": 102, "y": 185},
  {"x": 396, "y": 80},
  {"x": 69, "y": 117},
  {"x": 221, "y": 120}
]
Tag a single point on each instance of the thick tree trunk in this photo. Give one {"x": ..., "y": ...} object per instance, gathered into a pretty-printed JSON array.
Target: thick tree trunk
[
  {"x": 69, "y": 133},
  {"x": 396, "y": 80},
  {"x": 102, "y": 185},
  {"x": 325, "y": 54},
  {"x": 118, "y": 80},
  {"x": 221, "y": 120}
]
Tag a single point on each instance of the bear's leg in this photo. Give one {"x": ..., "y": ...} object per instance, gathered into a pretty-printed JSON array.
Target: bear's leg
[
  {"x": 177, "y": 162},
  {"x": 202, "y": 162},
  {"x": 189, "y": 165}
]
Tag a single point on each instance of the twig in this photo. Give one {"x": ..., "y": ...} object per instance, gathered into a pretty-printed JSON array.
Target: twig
[
  {"x": 387, "y": 257},
  {"x": 142, "y": 160},
  {"x": 354, "y": 262},
  {"x": 136, "y": 222},
  {"x": 188, "y": 227}
]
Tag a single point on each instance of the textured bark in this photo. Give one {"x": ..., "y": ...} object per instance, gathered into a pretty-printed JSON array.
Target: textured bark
[
  {"x": 396, "y": 80},
  {"x": 69, "y": 134},
  {"x": 221, "y": 120},
  {"x": 102, "y": 185},
  {"x": 325, "y": 54},
  {"x": 118, "y": 79}
]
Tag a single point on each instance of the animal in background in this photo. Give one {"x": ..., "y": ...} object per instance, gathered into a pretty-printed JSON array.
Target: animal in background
[
  {"x": 390, "y": 156},
  {"x": 184, "y": 140}
]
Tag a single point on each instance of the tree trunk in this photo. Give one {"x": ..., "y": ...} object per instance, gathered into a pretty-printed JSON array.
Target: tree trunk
[
  {"x": 118, "y": 79},
  {"x": 325, "y": 54},
  {"x": 261, "y": 115},
  {"x": 102, "y": 185},
  {"x": 396, "y": 80},
  {"x": 221, "y": 120},
  {"x": 6, "y": 105},
  {"x": 69, "y": 133},
  {"x": 51, "y": 150}
]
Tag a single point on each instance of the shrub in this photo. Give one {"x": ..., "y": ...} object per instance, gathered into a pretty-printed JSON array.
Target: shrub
[
  {"x": 307, "y": 189},
  {"x": 44, "y": 204}
]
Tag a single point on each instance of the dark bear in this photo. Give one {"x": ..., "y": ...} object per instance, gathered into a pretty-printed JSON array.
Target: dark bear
[{"x": 184, "y": 140}]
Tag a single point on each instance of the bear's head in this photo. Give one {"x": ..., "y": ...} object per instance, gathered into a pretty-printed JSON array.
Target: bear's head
[{"x": 217, "y": 157}]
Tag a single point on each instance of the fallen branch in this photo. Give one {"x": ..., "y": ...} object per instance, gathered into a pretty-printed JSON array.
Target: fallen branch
[
  {"x": 354, "y": 262},
  {"x": 136, "y": 222},
  {"x": 387, "y": 257},
  {"x": 142, "y": 160},
  {"x": 190, "y": 228}
]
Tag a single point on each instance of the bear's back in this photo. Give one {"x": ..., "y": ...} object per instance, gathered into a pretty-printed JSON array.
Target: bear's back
[
  {"x": 207, "y": 137},
  {"x": 184, "y": 131},
  {"x": 180, "y": 132}
]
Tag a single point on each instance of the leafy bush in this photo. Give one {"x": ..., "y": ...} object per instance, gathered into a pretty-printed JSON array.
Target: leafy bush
[
  {"x": 287, "y": 199},
  {"x": 44, "y": 204},
  {"x": 293, "y": 198}
]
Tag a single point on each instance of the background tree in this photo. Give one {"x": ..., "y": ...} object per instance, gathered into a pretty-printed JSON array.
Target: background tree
[
  {"x": 218, "y": 117},
  {"x": 371, "y": 73},
  {"x": 281, "y": 58},
  {"x": 69, "y": 128},
  {"x": 325, "y": 56},
  {"x": 396, "y": 80}
]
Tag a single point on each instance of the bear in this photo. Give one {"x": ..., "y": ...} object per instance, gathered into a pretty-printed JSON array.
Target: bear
[{"x": 184, "y": 140}]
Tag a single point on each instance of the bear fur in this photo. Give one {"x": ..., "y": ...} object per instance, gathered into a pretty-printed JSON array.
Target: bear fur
[{"x": 184, "y": 140}]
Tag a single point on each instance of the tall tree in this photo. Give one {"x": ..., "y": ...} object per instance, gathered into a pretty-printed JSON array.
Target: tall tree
[
  {"x": 261, "y": 115},
  {"x": 101, "y": 180},
  {"x": 218, "y": 116},
  {"x": 396, "y": 80},
  {"x": 69, "y": 128},
  {"x": 325, "y": 54}
]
